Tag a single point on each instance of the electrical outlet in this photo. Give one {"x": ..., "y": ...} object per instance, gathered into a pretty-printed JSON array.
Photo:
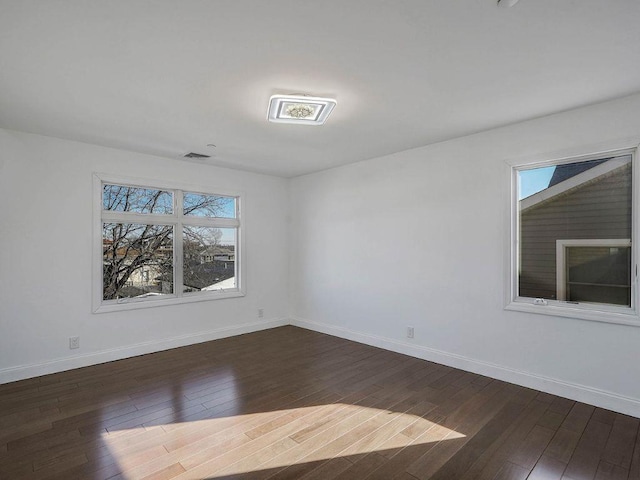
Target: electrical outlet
[
  {"x": 74, "y": 342},
  {"x": 261, "y": 313},
  {"x": 409, "y": 332}
]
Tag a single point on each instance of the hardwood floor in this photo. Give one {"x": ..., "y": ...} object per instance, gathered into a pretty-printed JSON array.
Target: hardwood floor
[{"x": 289, "y": 404}]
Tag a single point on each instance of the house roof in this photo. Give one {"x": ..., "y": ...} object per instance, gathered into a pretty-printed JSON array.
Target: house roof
[
  {"x": 581, "y": 177},
  {"x": 218, "y": 250},
  {"x": 568, "y": 170},
  {"x": 224, "y": 284}
]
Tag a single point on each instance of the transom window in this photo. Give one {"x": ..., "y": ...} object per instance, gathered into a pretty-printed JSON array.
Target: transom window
[
  {"x": 162, "y": 245},
  {"x": 572, "y": 232}
]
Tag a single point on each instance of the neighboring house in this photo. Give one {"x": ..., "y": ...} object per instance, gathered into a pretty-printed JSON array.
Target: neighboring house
[
  {"x": 575, "y": 235},
  {"x": 217, "y": 252},
  {"x": 197, "y": 277},
  {"x": 143, "y": 276},
  {"x": 209, "y": 266},
  {"x": 148, "y": 278}
]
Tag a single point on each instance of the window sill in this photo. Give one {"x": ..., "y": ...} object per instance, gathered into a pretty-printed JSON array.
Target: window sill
[
  {"x": 168, "y": 300},
  {"x": 619, "y": 316}
]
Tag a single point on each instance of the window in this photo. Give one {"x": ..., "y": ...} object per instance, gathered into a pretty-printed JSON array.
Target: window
[
  {"x": 162, "y": 245},
  {"x": 594, "y": 271},
  {"x": 572, "y": 231}
]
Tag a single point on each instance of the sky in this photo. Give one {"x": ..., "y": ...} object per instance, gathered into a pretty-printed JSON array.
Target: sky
[{"x": 534, "y": 180}]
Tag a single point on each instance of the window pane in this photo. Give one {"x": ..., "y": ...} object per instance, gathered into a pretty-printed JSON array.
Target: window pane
[
  {"x": 570, "y": 203},
  {"x": 200, "y": 205},
  {"x": 137, "y": 260},
  {"x": 121, "y": 198},
  {"x": 599, "y": 274},
  {"x": 209, "y": 256}
]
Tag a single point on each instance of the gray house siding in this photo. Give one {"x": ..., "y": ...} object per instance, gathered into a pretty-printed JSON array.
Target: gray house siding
[{"x": 598, "y": 209}]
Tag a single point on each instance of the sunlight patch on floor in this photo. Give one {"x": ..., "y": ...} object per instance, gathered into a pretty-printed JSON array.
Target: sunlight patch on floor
[{"x": 266, "y": 440}]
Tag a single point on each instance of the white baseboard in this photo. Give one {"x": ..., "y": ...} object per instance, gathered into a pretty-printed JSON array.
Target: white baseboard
[
  {"x": 580, "y": 393},
  {"x": 21, "y": 372}
]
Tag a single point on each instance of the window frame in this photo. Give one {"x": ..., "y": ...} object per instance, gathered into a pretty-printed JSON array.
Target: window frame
[
  {"x": 584, "y": 311},
  {"x": 177, "y": 220},
  {"x": 561, "y": 258}
]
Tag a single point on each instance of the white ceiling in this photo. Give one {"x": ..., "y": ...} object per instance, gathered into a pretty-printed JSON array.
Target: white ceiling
[{"x": 167, "y": 77}]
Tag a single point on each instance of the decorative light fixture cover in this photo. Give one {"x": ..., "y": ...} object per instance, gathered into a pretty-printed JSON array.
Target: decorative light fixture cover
[{"x": 299, "y": 109}]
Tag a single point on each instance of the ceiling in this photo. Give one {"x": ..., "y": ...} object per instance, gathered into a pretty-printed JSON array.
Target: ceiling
[{"x": 167, "y": 77}]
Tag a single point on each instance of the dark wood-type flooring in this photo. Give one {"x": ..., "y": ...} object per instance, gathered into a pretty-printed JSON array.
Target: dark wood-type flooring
[{"x": 288, "y": 403}]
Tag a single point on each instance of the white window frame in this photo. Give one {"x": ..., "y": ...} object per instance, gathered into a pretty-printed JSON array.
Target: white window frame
[
  {"x": 177, "y": 220},
  {"x": 585, "y": 311}
]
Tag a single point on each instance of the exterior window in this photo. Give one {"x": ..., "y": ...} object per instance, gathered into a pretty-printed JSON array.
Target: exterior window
[
  {"x": 572, "y": 235},
  {"x": 594, "y": 271},
  {"x": 166, "y": 245}
]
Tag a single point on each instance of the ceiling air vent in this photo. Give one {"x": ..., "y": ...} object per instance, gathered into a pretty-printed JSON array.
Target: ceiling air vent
[{"x": 195, "y": 155}]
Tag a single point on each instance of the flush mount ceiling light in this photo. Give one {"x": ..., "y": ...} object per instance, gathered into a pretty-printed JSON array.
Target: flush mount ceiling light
[{"x": 299, "y": 109}]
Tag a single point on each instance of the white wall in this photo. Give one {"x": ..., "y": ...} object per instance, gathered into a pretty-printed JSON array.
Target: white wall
[
  {"x": 46, "y": 266},
  {"x": 418, "y": 238}
]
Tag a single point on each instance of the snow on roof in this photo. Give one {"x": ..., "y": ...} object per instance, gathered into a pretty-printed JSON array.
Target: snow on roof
[{"x": 223, "y": 285}]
